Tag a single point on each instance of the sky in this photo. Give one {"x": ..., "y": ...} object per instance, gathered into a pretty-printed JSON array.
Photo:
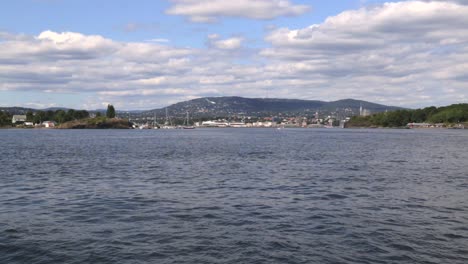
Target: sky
[{"x": 147, "y": 54}]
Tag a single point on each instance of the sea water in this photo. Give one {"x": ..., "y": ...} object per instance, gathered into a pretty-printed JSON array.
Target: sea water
[{"x": 234, "y": 196}]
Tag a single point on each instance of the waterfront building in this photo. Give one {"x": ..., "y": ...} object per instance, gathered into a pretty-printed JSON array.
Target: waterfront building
[
  {"x": 18, "y": 119},
  {"x": 48, "y": 124}
]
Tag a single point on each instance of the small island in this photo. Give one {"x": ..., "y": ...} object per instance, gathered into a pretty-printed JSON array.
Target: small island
[{"x": 61, "y": 119}]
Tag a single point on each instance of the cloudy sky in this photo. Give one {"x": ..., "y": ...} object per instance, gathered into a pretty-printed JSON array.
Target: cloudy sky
[{"x": 147, "y": 54}]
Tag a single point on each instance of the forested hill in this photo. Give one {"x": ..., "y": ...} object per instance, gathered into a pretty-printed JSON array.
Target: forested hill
[
  {"x": 456, "y": 113},
  {"x": 210, "y": 107},
  {"x": 227, "y": 106}
]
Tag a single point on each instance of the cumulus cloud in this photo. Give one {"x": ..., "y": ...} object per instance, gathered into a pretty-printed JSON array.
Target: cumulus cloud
[
  {"x": 455, "y": 1},
  {"x": 367, "y": 28},
  {"x": 411, "y": 53},
  {"x": 211, "y": 10},
  {"x": 225, "y": 44},
  {"x": 74, "y": 63},
  {"x": 375, "y": 52}
]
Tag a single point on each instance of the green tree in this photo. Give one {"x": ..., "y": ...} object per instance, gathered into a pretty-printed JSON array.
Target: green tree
[
  {"x": 29, "y": 116},
  {"x": 50, "y": 115},
  {"x": 70, "y": 115},
  {"x": 40, "y": 117},
  {"x": 60, "y": 116},
  {"x": 110, "y": 111},
  {"x": 80, "y": 114},
  {"x": 5, "y": 118}
]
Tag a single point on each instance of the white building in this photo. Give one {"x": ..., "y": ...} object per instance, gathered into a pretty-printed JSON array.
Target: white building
[
  {"x": 364, "y": 112},
  {"x": 237, "y": 124},
  {"x": 48, "y": 124},
  {"x": 18, "y": 118},
  {"x": 216, "y": 123}
]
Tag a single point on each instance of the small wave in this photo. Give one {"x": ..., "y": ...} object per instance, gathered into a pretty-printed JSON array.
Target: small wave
[
  {"x": 278, "y": 245},
  {"x": 334, "y": 196},
  {"x": 210, "y": 216},
  {"x": 453, "y": 236},
  {"x": 402, "y": 247},
  {"x": 11, "y": 231},
  {"x": 398, "y": 161}
]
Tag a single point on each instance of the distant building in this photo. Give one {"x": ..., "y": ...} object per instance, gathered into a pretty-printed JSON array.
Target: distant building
[
  {"x": 216, "y": 123},
  {"x": 364, "y": 112},
  {"x": 425, "y": 125},
  {"x": 418, "y": 125},
  {"x": 342, "y": 123},
  {"x": 48, "y": 124},
  {"x": 237, "y": 124},
  {"x": 18, "y": 119}
]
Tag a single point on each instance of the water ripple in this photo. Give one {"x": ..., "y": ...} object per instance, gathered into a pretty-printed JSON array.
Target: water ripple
[{"x": 233, "y": 196}]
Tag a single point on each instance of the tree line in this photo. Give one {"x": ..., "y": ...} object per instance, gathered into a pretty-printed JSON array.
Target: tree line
[
  {"x": 5, "y": 118},
  {"x": 456, "y": 113},
  {"x": 59, "y": 116}
]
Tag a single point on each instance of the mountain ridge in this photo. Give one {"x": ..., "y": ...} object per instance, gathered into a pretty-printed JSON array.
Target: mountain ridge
[{"x": 243, "y": 106}]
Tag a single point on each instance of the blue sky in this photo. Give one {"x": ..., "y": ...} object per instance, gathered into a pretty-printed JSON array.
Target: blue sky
[
  {"x": 146, "y": 54},
  {"x": 141, "y": 20}
]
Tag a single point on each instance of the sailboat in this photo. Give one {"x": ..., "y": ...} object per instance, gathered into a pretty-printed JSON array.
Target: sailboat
[
  {"x": 155, "y": 122},
  {"x": 187, "y": 123},
  {"x": 167, "y": 124}
]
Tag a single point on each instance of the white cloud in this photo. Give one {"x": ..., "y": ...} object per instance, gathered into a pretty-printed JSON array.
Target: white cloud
[
  {"x": 70, "y": 41},
  {"x": 368, "y": 28},
  {"x": 381, "y": 50},
  {"x": 158, "y": 40},
  {"x": 207, "y": 11},
  {"x": 75, "y": 63},
  {"x": 226, "y": 44},
  {"x": 407, "y": 53}
]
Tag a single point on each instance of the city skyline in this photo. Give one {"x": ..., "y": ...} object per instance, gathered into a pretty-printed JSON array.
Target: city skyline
[{"x": 150, "y": 54}]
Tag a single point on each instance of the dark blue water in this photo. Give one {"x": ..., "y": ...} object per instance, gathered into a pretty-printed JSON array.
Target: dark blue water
[{"x": 234, "y": 196}]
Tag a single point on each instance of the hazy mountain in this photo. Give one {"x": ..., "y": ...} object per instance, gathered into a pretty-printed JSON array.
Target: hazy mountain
[
  {"x": 210, "y": 107},
  {"x": 23, "y": 110},
  {"x": 239, "y": 106},
  {"x": 16, "y": 110}
]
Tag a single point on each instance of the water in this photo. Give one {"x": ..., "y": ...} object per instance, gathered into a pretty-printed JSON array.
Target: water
[{"x": 234, "y": 196}]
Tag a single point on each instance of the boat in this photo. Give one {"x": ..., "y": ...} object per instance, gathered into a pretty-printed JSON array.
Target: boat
[
  {"x": 144, "y": 126},
  {"x": 187, "y": 123},
  {"x": 167, "y": 124},
  {"x": 155, "y": 122}
]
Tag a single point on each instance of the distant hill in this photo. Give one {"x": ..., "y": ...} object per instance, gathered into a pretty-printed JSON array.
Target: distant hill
[
  {"x": 210, "y": 107},
  {"x": 16, "y": 110},
  {"x": 22, "y": 110},
  {"x": 240, "y": 106}
]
